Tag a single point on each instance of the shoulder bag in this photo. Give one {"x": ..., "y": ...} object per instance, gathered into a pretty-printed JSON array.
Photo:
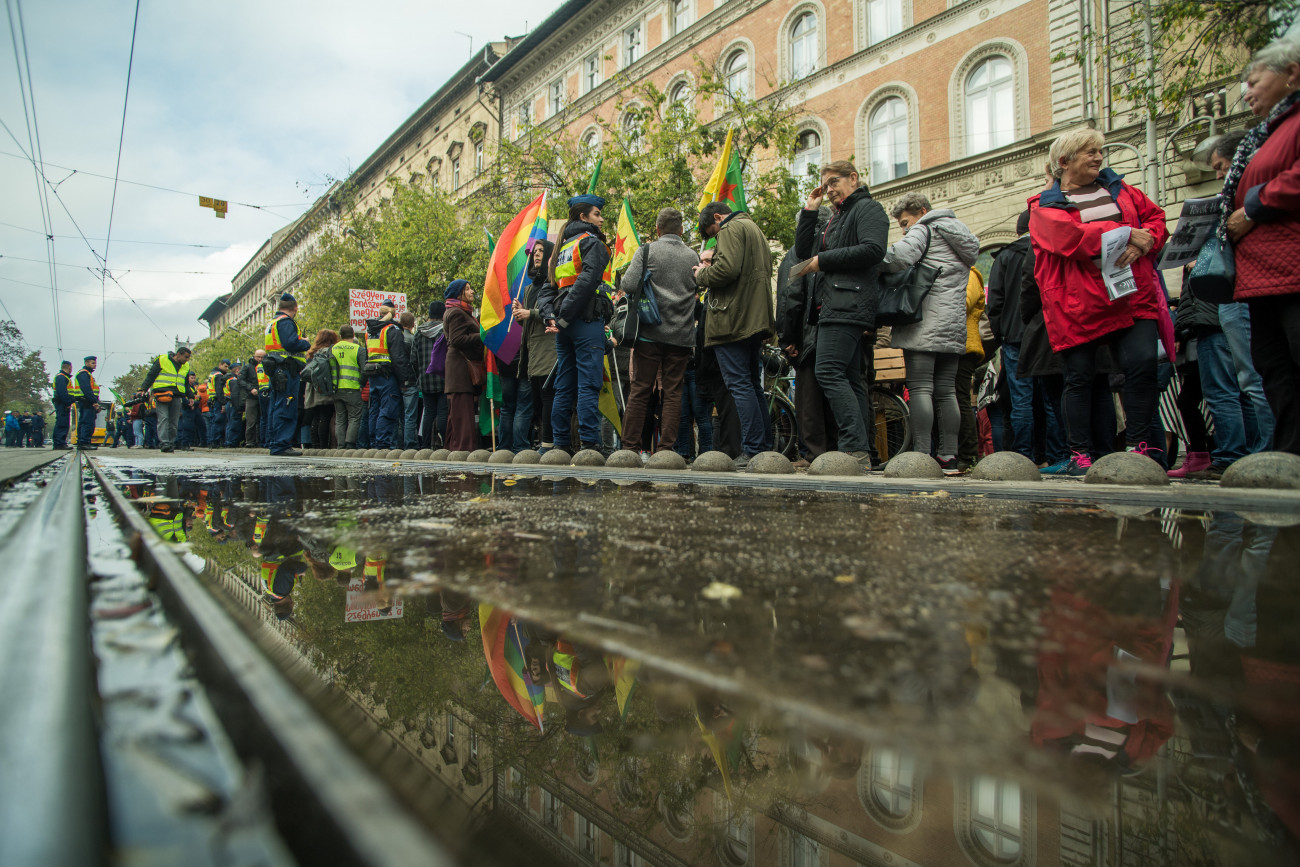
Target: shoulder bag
[
  {"x": 647, "y": 308},
  {"x": 1214, "y": 276},
  {"x": 902, "y": 292}
]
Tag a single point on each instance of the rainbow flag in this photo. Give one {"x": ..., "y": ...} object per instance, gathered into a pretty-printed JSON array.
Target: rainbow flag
[
  {"x": 507, "y": 274},
  {"x": 504, "y": 645}
]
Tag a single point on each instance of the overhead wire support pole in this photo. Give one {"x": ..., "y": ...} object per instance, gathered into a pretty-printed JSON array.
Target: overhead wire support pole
[{"x": 117, "y": 170}]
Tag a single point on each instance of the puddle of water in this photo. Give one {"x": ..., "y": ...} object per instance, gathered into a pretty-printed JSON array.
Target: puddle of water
[{"x": 685, "y": 674}]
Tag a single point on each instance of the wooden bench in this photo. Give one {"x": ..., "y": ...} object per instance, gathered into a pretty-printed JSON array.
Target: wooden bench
[{"x": 889, "y": 365}]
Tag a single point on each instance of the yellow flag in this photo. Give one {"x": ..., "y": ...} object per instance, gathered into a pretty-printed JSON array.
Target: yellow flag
[
  {"x": 719, "y": 175},
  {"x": 608, "y": 404},
  {"x": 626, "y": 242}
]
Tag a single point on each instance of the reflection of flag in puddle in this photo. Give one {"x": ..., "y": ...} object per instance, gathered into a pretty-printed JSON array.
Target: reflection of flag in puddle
[
  {"x": 622, "y": 673},
  {"x": 505, "y": 646},
  {"x": 723, "y": 737}
]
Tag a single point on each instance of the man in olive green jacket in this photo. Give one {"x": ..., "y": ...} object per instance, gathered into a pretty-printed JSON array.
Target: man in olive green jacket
[{"x": 740, "y": 319}]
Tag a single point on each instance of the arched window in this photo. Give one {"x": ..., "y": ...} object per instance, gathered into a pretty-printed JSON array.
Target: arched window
[
  {"x": 893, "y": 777},
  {"x": 995, "y": 817},
  {"x": 884, "y": 19},
  {"x": 633, "y": 131},
  {"x": 803, "y": 46},
  {"x": 990, "y": 105},
  {"x": 736, "y": 75},
  {"x": 679, "y": 95},
  {"x": 807, "y": 154},
  {"x": 887, "y": 136}
]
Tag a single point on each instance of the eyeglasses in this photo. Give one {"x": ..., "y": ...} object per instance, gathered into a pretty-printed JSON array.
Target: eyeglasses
[{"x": 835, "y": 180}]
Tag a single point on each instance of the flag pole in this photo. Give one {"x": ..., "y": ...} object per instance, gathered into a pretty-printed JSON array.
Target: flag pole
[{"x": 492, "y": 419}]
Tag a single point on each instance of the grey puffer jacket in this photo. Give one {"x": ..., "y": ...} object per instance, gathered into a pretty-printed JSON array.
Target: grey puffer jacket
[{"x": 953, "y": 248}]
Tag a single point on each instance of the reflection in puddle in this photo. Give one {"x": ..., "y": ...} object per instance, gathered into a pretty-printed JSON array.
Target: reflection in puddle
[{"x": 677, "y": 674}]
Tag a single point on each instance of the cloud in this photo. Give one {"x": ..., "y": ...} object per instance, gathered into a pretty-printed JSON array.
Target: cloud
[{"x": 246, "y": 101}]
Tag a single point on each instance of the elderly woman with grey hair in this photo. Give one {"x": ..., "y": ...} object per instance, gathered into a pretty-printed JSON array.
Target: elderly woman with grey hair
[
  {"x": 1261, "y": 206},
  {"x": 1066, "y": 224},
  {"x": 933, "y": 347}
]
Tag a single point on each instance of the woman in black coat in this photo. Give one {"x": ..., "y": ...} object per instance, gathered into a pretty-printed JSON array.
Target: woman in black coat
[{"x": 845, "y": 253}]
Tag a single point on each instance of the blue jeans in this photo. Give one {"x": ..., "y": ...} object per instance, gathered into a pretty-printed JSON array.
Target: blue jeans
[
  {"x": 411, "y": 403},
  {"x": 263, "y": 416},
  {"x": 1021, "y": 410},
  {"x": 516, "y": 413},
  {"x": 234, "y": 426},
  {"x": 739, "y": 363},
  {"x": 385, "y": 398},
  {"x": 695, "y": 408},
  {"x": 282, "y": 424},
  {"x": 1219, "y": 386},
  {"x": 579, "y": 373},
  {"x": 1234, "y": 319}
]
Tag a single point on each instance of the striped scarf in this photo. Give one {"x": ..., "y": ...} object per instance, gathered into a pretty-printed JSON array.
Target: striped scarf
[{"x": 1253, "y": 141}]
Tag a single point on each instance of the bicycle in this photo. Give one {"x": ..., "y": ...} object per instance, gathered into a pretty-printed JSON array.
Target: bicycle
[
  {"x": 778, "y": 376},
  {"x": 893, "y": 432}
]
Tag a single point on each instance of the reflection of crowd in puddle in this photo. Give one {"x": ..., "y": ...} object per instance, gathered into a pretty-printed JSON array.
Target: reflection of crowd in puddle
[{"x": 1093, "y": 691}]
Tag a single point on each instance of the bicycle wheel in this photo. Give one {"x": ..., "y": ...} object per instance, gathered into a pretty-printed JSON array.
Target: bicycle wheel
[
  {"x": 785, "y": 425},
  {"x": 893, "y": 423}
]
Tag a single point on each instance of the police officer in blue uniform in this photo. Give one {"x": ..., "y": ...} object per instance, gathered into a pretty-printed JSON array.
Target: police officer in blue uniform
[
  {"x": 287, "y": 352},
  {"x": 62, "y": 407},
  {"x": 86, "y": 393}
]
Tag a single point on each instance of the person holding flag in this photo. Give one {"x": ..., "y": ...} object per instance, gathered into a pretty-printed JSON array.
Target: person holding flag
[
  {"x": 465, "y": 372},
  {"x": 579, "y": 311},
  {"x": 740, "y": 316}
]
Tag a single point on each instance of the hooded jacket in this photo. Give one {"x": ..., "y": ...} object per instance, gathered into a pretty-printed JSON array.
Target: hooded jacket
[
  {"x": 399, "y": 354},
  {"x": 421, "y": 351},
  {"x": 739, "y": 284},
  {"x": 1004, "y": 291},
  {"x": 539, "y": 346},
  {"x": 849, "y": 244},
  {"x": 1076, "y": 307},
  {"x": 953, "y": 249}
]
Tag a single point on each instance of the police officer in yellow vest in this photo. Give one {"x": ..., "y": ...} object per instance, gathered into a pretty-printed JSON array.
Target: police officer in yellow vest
[
  {"x": 84, "y": 391},
  {"x": 349, "y": 360},
  {"x": 286, "y": 352},
  {"x": 253, "y": 382},
  {"x": 168, "y": 378},
  {"x": 62, "y": 406},
  {"x": 388, "y": 368},
  {"x": 578, "y": 303}
]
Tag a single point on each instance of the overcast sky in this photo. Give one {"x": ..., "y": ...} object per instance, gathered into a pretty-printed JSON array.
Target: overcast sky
[{"x": 253, "y": 102}]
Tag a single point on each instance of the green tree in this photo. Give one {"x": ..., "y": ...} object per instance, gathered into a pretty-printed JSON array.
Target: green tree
[
  {"x": 231, "y": 344},
  {"x": 1195, "y": 45},
  {"x": 129, "y": 383},
  {"x": 24, "y": 382}
]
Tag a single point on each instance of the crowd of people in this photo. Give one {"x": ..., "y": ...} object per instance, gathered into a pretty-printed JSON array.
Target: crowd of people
[
  {"x": 24, "y": 430},
  {"x": 1068, "y": 369}
]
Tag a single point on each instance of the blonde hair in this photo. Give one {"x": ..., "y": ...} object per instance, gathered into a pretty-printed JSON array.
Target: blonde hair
[{"x": 1070, "y": 143}]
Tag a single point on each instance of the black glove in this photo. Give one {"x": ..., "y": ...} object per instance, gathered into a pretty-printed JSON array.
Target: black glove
[{"x": 281, "y": 380}]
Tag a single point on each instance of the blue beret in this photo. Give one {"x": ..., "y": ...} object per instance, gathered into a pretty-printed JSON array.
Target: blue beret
[
  {"x": 451, "y": 629},
  {"x": 586, "y": 199},
  {"x": 454, "y": 288},
  {"x": 389, "y": 302},
  {"x": 286, "y": 298}
]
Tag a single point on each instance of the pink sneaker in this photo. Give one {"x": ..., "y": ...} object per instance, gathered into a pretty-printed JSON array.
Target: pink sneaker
[{"x": 1079, "y": 464}]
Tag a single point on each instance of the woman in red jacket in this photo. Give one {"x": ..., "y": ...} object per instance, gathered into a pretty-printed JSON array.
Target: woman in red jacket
[
  {"x": 1066, "y": 222},
  {"x": 1262, "y": 190}
]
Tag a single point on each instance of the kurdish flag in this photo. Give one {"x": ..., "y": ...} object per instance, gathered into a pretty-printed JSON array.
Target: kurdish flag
[
  {"x": 504, "y": 645},
  {"x": 506, "y": 275},
  {"x": 608, "y": 404},
  {"x": 626, "y": 242},
  {"x": 489, "y": 405},
  {"x": 725, "y": 184}
]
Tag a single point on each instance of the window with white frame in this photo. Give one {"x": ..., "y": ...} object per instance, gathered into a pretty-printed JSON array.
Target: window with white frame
[
  {"x": 478, "y": 158},
  {"x": 807, "y": 155},
  {"x": 995, "y": 817},
  {"x": 681, "y": 15},
  {"x": 591, "y": 72},
  {"x": 625, "y": 857},
  {"x": 586, "y": 836},
  {"x": 887, "y": 135},
  {"x": 804, "y": 46},
  {"x": 558, "y": 94},
  {"x": 632, "y": 44},
  {"x": 893, "y": 780},
  {"x": 679, "y": 95},
  {"x": 633, "y": 131},
  {"x": 990, "y": 103},
  {"x": 515, "y": 785},
  {"x": 473, "y": 745},
  {"x": 550, "y": 810},
  {"x": 736, "y": 75},
  {"x": 524, "y": 117},
  {"x": 884, "y": 19},
  {"x": 734, "y": 846},
  {"x": 455, "y": 185},
  {"x": 804, "y": 851}
]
